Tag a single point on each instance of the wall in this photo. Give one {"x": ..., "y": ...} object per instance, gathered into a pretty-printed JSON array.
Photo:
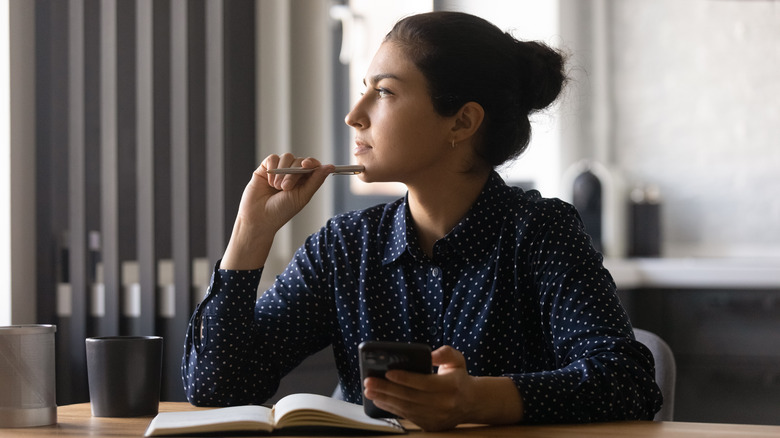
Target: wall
[
  {"x": 696, "y": 110},
  {"x": 17, "y": 242}
]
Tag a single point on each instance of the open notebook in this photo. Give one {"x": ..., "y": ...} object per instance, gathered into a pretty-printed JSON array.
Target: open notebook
[{"x": 295, "y": 411}]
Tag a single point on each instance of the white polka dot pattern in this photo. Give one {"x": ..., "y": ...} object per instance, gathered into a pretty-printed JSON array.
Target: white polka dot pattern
[{"x": 516, "y": 287}]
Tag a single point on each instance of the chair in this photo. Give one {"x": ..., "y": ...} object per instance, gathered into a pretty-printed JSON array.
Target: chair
[
  {"x": 665, "y": 370},
  {"x": 338, "y": 394}
]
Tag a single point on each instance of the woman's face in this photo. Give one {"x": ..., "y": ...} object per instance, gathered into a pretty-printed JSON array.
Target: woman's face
[{"x": 398, "y": 134}]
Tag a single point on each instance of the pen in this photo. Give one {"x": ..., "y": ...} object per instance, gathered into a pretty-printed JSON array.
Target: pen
[{"x": 340, "y": 170}]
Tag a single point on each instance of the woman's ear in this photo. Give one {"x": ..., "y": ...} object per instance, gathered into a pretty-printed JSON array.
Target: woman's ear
[{"x": 467, "y": 121}]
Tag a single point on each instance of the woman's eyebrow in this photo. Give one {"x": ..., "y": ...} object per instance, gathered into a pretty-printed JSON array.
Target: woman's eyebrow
[{"x": 376, "y": 78}]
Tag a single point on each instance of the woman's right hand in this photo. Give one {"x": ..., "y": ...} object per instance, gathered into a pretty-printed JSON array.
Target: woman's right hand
[{"x": 268, "y": 202}]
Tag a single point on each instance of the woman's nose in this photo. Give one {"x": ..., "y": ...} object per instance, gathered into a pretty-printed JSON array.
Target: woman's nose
[{"x": 356, "y": 118}]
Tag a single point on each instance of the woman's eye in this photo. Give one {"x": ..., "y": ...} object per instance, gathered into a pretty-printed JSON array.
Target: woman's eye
[{"x": 382, "y": 92}]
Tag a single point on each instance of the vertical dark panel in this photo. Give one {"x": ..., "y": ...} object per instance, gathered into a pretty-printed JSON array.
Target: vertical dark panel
[
  {"x": 93, "y": 154},
  {"x": 77, "y": 202},
  {"x": 161, "y": 11},
  {"x": 240, "y": 103},
  {"x": 125, "y": 152},
  {"x": 126, "y": 127},
  {"x": 50, "y": 254},
  {"x": 196, "y": 120},
  {"x": 162, "y": 83}
]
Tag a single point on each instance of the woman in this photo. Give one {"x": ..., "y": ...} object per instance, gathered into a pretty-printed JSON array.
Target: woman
[{"x": 503, "y": 284}]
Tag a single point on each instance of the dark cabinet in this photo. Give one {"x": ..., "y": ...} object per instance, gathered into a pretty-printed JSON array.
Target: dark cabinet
[{"x": 727, "y": 347}]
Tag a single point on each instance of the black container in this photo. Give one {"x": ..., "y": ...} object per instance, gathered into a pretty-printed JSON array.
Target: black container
[
  {"x": 588, "y": 198},
  {"x": 644, "y": 226},
  {"x": 124, "y": 375}
]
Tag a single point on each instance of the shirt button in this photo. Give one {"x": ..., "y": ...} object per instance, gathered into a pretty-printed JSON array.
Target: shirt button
[
  {"x": 433, "y": 330},
  {"x": 435, "y": 272}
]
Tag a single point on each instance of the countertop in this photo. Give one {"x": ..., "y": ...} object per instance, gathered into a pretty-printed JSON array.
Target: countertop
[{"x": 723, "y": 273}]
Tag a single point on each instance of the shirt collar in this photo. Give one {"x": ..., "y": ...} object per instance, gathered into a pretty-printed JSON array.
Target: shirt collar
[
  {"x": 475, "y": 236},
  {"x": 470, "y": 238}
]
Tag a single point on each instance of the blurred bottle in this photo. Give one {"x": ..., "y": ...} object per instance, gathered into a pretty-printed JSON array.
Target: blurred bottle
[
  {"x": 644, "y": 227},
  {"x": 597, "y": 192},
  {"x": 588, "y": 197}
]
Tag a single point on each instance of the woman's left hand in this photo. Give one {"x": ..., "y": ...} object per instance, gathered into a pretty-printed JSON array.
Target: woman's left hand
[{"x": 432, "y": 401}]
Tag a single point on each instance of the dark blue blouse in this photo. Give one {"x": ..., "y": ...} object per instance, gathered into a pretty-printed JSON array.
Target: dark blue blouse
[{"x": 516, "y": 287}]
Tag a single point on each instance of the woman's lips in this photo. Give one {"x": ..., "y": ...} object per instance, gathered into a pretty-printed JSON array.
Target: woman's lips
[{"x": 361, "y": 148}]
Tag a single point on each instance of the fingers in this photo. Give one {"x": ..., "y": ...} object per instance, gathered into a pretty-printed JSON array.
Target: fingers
[
  {"x": 378, "y": 387},
  {"x": 288, "y": 182},
  {"x": 391, "y": 396},
  {"x": 447, "y": 358},
  {"x": 282, "y": 182},
  {"x": 432, "y": 408}
]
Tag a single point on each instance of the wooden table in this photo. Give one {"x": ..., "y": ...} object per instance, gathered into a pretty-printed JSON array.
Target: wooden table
[{"x": 77, "y": 421}]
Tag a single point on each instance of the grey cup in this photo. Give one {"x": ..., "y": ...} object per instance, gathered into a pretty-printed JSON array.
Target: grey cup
[
  {"x": 27, "y": 376},
  {"x": 124, "y": 375}
]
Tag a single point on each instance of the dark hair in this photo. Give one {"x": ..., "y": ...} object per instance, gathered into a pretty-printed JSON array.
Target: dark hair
[{"x": 465, "y": 58}]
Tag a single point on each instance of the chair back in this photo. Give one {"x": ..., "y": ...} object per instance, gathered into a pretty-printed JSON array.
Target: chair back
[{"x": 665, "y": 370}]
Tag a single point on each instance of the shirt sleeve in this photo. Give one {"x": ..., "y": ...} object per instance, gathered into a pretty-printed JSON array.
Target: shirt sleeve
[
  {"x": 238, "y": 346},
  {"x": 217, "y": 362},
  {"x": 602, "y": 373}
]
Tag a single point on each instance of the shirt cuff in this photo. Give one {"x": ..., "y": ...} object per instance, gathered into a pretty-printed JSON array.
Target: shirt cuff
[{"x": 232, "y": 292}]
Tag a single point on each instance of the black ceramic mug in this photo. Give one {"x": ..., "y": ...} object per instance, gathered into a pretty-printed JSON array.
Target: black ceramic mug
[{"x": 124, "y": 375}]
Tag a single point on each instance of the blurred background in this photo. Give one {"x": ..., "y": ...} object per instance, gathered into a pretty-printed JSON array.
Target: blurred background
[{"x": 129, "y": 128}]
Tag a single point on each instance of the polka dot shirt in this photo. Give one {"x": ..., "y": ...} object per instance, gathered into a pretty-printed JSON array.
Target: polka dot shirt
[{"x": 516, "y": 287}]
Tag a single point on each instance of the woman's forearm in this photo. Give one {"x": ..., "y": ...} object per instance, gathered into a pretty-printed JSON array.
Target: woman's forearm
[{"x": 247, "y": 249}]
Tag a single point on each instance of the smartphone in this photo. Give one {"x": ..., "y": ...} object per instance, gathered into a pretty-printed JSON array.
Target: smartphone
[{"x": 376, "y": 357}]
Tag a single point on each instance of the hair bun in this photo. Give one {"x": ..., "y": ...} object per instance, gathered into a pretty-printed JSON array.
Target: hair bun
[{"x": 542, "y": 74}]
